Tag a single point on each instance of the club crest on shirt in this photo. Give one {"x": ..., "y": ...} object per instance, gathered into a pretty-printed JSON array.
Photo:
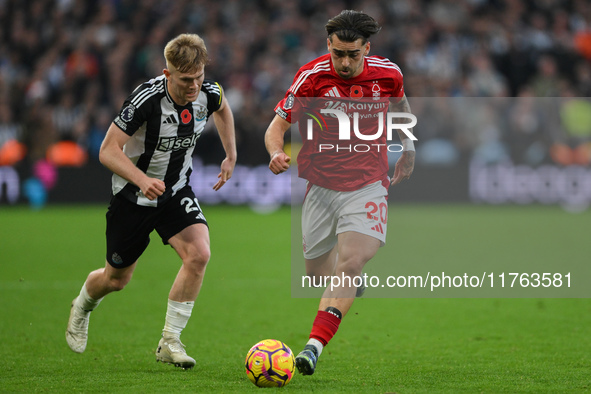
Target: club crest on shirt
[
  {"x": 376, "y": 91},
  {"x": 200, "y": 113}
]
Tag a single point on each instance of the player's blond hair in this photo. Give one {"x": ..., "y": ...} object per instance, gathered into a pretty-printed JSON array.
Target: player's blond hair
[{"x": 186, "y": 53}]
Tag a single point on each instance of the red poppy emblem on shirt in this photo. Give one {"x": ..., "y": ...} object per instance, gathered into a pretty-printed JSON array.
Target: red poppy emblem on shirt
[
  {"x": 356, "y": 91},
  {"x": 186, "y": 116}
]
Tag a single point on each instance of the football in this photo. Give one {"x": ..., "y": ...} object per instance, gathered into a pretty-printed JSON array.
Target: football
[{"x": 270, "y": 363}]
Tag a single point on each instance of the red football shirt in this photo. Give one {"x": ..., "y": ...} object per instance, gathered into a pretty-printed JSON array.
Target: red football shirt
[{"x": 349, "y": 164}]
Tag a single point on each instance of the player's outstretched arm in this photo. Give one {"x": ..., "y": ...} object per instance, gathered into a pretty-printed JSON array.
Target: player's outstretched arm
[
  {"x": 112, "y": 156},
  {"x": 274, "y": 142},
  {"x": 224, "y": 122}
]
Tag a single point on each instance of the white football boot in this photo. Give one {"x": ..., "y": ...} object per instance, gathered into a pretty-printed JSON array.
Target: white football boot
[
  {"x": 172, "y": 351},
  {"x": 77, "y": 330}
]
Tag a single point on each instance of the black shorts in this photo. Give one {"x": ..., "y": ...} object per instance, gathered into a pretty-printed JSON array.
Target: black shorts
[{"x": 129, "y": 225}]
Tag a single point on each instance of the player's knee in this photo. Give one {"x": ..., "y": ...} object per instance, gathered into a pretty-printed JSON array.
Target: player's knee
[
  {"x": 115, "y": 279},
  {"x": 197, "y": 258},
  {"x": 352, "y": 264},
  {"x": 355, "y": 259},
  {"x": 350, "y": 270},
  {"x": 118, "y": 283}
]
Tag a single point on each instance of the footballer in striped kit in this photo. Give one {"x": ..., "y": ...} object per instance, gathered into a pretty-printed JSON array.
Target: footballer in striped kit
[{"x": 149, "y": 148}]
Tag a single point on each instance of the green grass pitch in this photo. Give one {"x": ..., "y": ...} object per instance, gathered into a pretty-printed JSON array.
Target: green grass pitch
[{"x": 402, "y": 345}]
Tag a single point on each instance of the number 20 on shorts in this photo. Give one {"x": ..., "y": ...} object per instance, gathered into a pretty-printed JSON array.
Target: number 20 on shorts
[{"x": 372, "y": 211}]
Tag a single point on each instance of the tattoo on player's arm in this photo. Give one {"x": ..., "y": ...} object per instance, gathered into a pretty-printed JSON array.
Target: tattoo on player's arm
[
  {"x": 409, "y": 164},
  {"x": 401, "y": 106}
]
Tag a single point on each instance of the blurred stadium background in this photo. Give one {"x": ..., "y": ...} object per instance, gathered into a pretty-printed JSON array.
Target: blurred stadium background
[{"x": 67, "y": 65}]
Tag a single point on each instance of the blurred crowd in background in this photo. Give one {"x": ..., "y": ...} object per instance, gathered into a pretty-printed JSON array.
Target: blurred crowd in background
[{"x": 67, "y": 65}]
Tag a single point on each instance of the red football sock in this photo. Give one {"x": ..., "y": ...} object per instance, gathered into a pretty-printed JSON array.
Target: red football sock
[{"x": 325, "y": 326}]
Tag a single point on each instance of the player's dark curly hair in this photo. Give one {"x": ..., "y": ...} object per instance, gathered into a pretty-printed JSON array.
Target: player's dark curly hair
[{"x": 349, "y": 26}]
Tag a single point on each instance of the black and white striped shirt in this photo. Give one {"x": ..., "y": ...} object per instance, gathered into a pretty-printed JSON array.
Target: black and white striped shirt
[{"x": 163, "y": 135}]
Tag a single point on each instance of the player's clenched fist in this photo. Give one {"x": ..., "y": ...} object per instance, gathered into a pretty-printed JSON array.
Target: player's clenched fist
[
  {"x": 153, "y": 188},
  {"x": 279, "y": 162}
]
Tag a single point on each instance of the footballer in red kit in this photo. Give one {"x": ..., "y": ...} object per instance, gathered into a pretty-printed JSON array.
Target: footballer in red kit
[
  {"x": 345, "y": 103},
  {"x": 368, "y": 93}
]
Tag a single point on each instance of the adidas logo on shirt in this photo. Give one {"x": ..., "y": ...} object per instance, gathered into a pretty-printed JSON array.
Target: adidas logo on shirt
[
  {"x": 170, "y": 120},
  {"x": 333, "y": 92}
]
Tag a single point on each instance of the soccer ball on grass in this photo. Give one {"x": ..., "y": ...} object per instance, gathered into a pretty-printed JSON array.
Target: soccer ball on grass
[{"x": 270, "y": 363}]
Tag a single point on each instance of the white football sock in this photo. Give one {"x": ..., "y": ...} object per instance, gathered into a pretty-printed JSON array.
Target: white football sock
[
  {"x": 85, "y": 303},
  {"x": 177, "y": 316},
  {"x": 317, "y": 344}
]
